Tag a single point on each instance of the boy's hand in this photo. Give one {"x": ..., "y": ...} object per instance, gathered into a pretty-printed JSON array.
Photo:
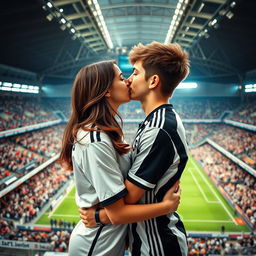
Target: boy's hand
[{"x": 173, "y": 196}]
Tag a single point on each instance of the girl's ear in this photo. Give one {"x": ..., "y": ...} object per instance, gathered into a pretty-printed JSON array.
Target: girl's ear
[{"x": 107, "y": 95}]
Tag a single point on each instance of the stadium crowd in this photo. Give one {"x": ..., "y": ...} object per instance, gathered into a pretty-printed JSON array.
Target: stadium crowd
[
  {"x": 15, "y": 158},
  {"x": 199, "y": 246},
  {"x": 18, "y": 111},
  {"x": 197, "y": 132},
  {"x": 203, "y": 108},
  {"x": 58, "y": 240},
  {"x": 21, "y": 111},
  {"x": 239, "y": 142},
  {"x": 22, "y": 153},
  {"x": 238, "y": 184},
  {"x": 203, "y": 246},
  {"x": 246, "y": 113},
  {"x": 46, "y": 142},
  {"x": 25, "y": 202}
]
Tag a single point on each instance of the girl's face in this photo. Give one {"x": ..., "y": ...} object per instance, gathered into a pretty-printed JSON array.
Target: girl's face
[{"x": 119, "y": 92}]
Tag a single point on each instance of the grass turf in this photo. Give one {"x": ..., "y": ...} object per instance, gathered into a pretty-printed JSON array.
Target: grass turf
[{"x": 202, "y": 206}]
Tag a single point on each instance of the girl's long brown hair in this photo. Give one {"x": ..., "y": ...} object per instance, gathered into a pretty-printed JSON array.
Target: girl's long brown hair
[{"x": 89, "y": 106}]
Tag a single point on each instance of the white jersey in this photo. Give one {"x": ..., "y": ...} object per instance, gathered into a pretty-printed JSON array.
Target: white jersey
[{"x": 99, "y": 176}]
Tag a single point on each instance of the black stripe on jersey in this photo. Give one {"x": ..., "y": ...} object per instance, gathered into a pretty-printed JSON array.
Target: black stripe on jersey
[
  {"x": 95, "y": 135},
  {"x": 136, "y": 241},
  {"x": 169, "y": 240},
  {"x": 179, "y": 225},
  {"x": 95, "y": 240},
  {"x": 114, "y": 198},
  {"x": 91, "y": 136},
  {"x": 91, "y": 133},
  {"x": 153, "y": 229},
  {"x": 148, "y": 229},
  {"x": 155, "y": 119},
  {"x": 98, "y": 136}
]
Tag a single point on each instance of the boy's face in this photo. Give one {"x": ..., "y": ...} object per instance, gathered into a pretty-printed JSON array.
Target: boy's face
[{"x": 139, "y": 87}]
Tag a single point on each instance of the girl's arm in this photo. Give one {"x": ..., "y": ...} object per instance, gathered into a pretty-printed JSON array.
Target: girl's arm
[{"x": 121, "y": 213}]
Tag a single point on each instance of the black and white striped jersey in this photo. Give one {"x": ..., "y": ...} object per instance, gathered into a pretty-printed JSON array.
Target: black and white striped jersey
[{"x": 158, "y": 159}]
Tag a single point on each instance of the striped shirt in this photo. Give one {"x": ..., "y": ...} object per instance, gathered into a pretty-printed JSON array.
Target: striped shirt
[
  {"x": 158, "y": 159},
  {"x": 99, "y": 177}
]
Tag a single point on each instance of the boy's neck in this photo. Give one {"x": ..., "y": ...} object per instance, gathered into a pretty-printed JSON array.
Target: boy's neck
[{"x": 148, "y": 105}]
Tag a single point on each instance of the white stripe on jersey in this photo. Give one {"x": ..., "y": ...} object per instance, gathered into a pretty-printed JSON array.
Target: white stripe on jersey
[
  {"x": 150, "y": 233},
  {"x": 154, "y": 237},
  {"x": 94, "y": 133},
  {"x": 158, "y": 237},
  {"x": 163, "y": 118},
  {"x": 158, "y": 117},
  {"x": 145, "y": 183},
  {"x": 181, "y": 131},
  {"x": 181, "y": 237}
]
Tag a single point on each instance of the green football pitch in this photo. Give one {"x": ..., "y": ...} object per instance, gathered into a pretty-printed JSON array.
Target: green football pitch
[{"x": 202, "y": 207}]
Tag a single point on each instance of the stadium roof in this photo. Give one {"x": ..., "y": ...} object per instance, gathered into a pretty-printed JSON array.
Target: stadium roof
[{"x": 48, "y": 41}]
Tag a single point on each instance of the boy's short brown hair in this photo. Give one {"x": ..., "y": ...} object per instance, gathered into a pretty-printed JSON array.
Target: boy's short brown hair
[{"x": 169, "y": 61}]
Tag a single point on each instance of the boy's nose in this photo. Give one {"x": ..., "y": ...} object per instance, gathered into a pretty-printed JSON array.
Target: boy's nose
[{"x": 128, "y": 81}]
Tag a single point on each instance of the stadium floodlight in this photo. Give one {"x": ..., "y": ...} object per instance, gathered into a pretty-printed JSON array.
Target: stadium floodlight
[
  {"x": 7, "y": 84},
  {"x": 49, "y": 4},
  {"x": 96, "y": 10},
  {"x": 63, "y": 20},
  {"x": 49, "y": 17},
  {"x": 16, "y": 85},
  {"x": 181, "y": 6},
  {"x": 250, "y": 88},
  {"x": 5, "y": 88},
  {"x": 233, "y": 4},
  {"x": 230, "y": 15},
  {"x": 187, "y": 85}
]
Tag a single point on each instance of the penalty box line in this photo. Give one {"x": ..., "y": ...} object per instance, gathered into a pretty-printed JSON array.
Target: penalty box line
[{"x": 215, "y": 194}]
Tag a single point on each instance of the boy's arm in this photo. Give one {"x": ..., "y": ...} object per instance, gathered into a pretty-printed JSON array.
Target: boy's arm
[{"x": 134, "y": 193}]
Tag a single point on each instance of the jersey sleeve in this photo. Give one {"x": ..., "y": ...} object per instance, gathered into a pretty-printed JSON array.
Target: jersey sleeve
[
  {"x": 154, "y": 156},
  {"x": 102, "y": 169}
]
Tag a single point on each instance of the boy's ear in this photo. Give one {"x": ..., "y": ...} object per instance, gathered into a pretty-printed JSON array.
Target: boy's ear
[{"x": 154, "y": 81}]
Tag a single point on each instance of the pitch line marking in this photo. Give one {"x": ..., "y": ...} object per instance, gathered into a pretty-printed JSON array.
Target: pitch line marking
[
  {"x": 201, "y": 190},
  {"x": 213, "y": 221},
  {"x": 60, "y": 202},
  {"x": 65, "y": 215},
  {"x": 209, "y": 185}
]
